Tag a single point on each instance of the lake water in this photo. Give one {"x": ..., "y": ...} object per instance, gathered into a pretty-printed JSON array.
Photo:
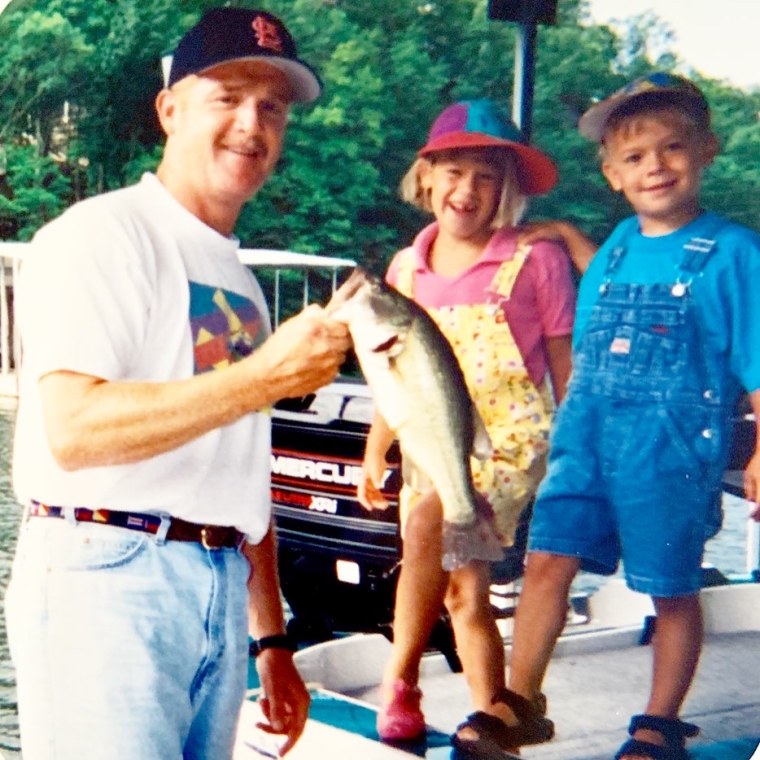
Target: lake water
[
  {"x": 10, "y": 514},
  {"x": 726, "y": 552}
]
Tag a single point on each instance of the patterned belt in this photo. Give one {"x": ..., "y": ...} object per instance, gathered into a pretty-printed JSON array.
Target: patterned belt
[{"x": 209, "y": 536}]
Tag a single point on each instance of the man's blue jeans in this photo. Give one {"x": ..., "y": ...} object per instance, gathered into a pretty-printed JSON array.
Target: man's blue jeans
[{"x": 125, "y": 648}]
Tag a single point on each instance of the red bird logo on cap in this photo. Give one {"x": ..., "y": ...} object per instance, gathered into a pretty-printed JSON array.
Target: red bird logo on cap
[{"x": 267, "y": 34}]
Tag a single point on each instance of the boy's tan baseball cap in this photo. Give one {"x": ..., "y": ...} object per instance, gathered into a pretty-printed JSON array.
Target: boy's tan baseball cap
[{"x": 657, "y": 89}]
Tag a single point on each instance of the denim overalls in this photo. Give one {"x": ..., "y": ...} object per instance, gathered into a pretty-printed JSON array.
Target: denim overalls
[{"x": 638, "y": 448}]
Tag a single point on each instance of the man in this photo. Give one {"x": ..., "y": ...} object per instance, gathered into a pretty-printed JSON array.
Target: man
[{"x": 143, "y": 438}]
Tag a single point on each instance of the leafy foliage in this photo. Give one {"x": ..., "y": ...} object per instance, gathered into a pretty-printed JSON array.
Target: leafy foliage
[
  {"x": 32, "y": 191},
  {"x": 78, "y": 80}
]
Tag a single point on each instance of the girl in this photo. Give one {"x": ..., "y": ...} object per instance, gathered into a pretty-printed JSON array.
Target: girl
[{"x": 507, "y": 311}]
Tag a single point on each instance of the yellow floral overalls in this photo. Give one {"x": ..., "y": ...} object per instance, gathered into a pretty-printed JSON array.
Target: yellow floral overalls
[{"x": 516, "y": 413}]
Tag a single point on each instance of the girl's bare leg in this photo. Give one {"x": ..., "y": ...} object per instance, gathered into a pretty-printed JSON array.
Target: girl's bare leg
[
  {"x": 420, "y": 590},
  {"x": 479, "y": 643}
]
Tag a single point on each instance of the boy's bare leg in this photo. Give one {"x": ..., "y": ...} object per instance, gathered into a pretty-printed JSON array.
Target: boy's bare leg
[
  {"x": 540, "y": 618},
  {"x": 541, "y": 615},
  {"x": 677, "y": 645},
  {"x": 420, "y": 590}
]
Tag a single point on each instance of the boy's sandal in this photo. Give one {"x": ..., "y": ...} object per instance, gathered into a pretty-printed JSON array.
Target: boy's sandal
[
  {"x": 540, "y": 703},
  {"x": 495, "y": 737},
  {"x": 533, "y": 727},
  {"x": 674, "y": 731}
]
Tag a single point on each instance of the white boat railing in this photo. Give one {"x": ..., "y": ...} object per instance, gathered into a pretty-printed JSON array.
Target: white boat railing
[
  {"x": 10, "y": 256},
  {"x": 307, "y": 265}
]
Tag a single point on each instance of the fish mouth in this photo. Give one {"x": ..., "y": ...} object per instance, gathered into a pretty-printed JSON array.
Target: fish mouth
[
  {"x": 353, "y": 284},
  {"x": 385, "y": 345}
]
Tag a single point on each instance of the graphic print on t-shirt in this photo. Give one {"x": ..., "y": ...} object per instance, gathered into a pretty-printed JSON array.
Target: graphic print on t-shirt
[{"x": 225, "y": 326}]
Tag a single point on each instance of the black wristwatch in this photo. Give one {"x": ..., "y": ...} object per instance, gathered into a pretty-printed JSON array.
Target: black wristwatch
[{"x": 276, "y": 641}]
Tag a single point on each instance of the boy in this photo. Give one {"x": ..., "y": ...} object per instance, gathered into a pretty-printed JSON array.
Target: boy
[{"x": 665, "y": 337}]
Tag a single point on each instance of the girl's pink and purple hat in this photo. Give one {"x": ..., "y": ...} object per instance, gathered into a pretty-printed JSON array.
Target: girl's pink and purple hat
[{"x": 479, "y": 124}]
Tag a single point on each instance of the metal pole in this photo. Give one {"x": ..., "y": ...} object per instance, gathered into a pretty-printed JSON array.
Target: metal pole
[
  {"x": 525, "y": 69},
  {"x": 276, "y": 298}
]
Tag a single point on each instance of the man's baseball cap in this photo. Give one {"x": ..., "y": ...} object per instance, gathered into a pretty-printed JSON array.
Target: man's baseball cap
[
  {"x": 242, "y": 34},
  {"x": 651, "y": 91},
  {"x": 480, "y": 124}
]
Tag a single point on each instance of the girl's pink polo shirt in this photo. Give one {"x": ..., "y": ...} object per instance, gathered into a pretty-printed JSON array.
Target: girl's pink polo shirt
[{"x": 542, "y": 304}]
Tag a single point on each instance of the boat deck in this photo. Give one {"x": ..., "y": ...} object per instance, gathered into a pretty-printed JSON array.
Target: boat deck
[
  {"x": 598, "y": 679},
  {"x": 593, "y": 694}
]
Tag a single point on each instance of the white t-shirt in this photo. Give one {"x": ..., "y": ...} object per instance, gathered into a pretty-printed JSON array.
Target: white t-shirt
[{"x": 130, "y": 285}]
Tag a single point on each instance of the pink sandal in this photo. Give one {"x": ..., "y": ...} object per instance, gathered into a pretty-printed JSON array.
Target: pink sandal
[{"x": 401, "y": 719}]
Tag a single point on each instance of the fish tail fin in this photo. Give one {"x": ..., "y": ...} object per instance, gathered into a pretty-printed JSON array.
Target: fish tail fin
[{"x": 464, "y": 543}]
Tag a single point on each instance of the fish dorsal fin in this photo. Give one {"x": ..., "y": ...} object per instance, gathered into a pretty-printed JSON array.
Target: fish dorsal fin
[{"x": 482, "y": 447}]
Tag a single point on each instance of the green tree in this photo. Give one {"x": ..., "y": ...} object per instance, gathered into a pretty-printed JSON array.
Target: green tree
[
  {"x": 388, "y": 68},
  {"x": 33, "y": 190},
  {"x": 44, "y": 65}
]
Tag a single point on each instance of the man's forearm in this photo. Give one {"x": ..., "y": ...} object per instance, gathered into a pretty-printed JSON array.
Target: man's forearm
[
  {"x": 265, "y": 613},
  {"x": 91, "y": 422}
]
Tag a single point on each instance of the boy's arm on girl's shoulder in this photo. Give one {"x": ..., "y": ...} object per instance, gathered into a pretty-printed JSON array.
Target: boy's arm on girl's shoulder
[
  {"x": 579, "y": 247},
  {"x": 559, "y": 355},
  {"x": 752, "y": 471}
]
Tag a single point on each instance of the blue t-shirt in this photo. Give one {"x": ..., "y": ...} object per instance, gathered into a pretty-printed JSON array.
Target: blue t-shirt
[{"x": 725, "y": 293}]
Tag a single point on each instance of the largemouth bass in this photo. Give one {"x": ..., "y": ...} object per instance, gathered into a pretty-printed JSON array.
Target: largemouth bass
[{"x": 418, "y": 387}]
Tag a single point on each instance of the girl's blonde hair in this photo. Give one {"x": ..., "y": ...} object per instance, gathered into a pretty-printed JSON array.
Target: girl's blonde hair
[{"x": 512, "y": 203}]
